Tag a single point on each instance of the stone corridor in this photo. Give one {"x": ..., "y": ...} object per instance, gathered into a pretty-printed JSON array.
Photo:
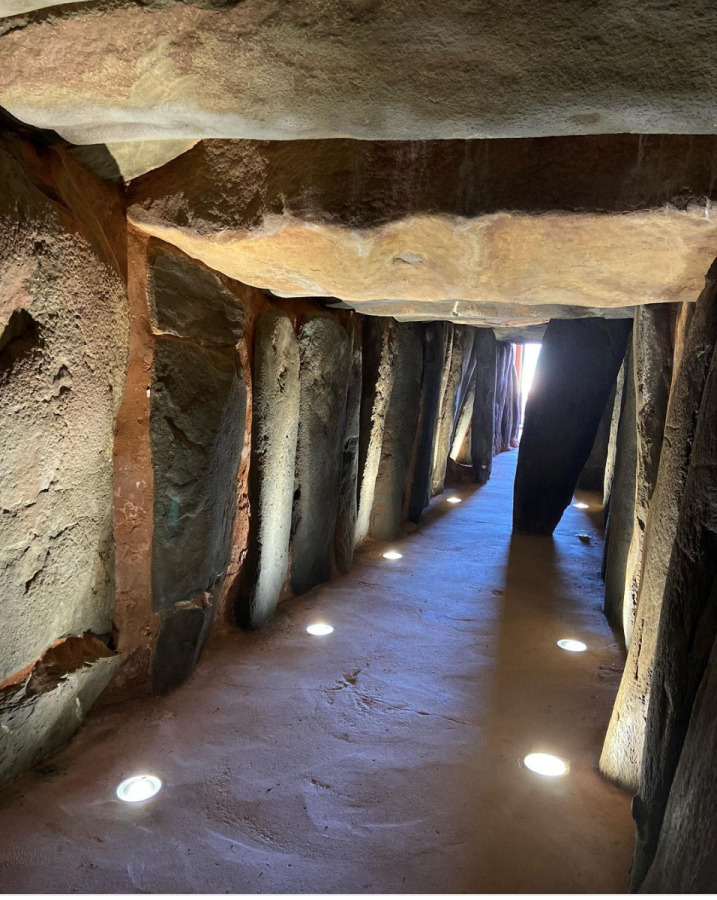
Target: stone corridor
[{"x": 384, "y": 757}]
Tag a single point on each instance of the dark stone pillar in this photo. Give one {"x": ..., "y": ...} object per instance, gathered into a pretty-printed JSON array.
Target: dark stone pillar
[
  {"x": 392, "y": 483},
  {"x": 275, "y": 424},
  {"x": 592, "y": 477},
  {"x": 483, "y": 420},
  {"x": 325, "y": 361},
  {"x": 461, "y": 337},
  {"x": 576, "y": 370},
  {"x": 348, "y": 497},
  {"x": 433, "y": 358}
]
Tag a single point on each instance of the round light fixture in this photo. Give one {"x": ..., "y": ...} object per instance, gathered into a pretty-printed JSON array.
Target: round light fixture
[
  {"x": 546, "y": 764},
  {"x": 571, "y": 645},
  {"x": 138, "y": 788},
  {"x": 581, "y": 505},
  {"x": 453, "y": 499},
  {"x": 320, "y": 629},
  {"x": 392, "y": 554}
]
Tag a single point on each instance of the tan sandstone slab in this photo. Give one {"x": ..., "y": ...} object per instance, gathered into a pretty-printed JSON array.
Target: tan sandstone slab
[{"x": 371, "y": 69}]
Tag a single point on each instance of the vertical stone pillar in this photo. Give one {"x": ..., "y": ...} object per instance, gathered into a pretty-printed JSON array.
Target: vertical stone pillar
[
  {"x": 622, "y": 502},
  {"x": 275, "y": 424},
  {"x": 348, "y": 495},
  {"x": 325, "y": 361},
  {"x": 576, "y": 371},
  {"x": 380, "y": 346},
  {"x": 485, "y": 352},
  {"x": 652, "y": 362},
  {"x": 433, "y": 366},
  {"x": 622, "y": 755}
]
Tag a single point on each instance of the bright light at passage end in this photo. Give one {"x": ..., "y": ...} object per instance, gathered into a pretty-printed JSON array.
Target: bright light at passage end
[
  {"x": 138, "y": 788},
  {"x": 392, "y": 554},
  {"x": 571, "y": 645},
  {"x": 546, "y": 764},
  {"x": 454, "y": 499},
  {"x": 581, "y": 505},
  {"x": 320, "y": 629}
]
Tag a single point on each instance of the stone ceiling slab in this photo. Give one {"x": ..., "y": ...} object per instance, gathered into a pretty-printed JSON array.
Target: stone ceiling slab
[
  {"x": 113, "y": 70},
  {"x": 607, "y": 221}
]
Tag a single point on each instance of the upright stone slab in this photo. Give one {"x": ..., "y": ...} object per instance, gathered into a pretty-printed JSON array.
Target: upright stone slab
[
  {"x": 686, "y": 634},
  {"x": 325, "y": 361},
  {"x": 433, "y": 358},
  {"x": 503, "y": 352},
  {"x": 380, "y": 341},
  {"x": 576, "y": 370},
  {"x": 275, "y": 425},
  {"x": 686, "y": 857},
  {"x": 652, "y": 362},
  {"x": 485, "y": 352},
  {"x": 198, "y": 404},
  {"x": 622, "y": 754},
  {"x": 615, "y": 408},
  {"x": 393, "y": 480},
  {"x": 622, "y": 504},
  {"x": 344, "y": 539},
  {"x": 592, "y": 477}
]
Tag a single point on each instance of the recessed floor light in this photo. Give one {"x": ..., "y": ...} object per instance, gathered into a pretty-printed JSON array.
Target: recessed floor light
[
  {"x": 571, "y": 645},
  {"x": 546, "y": 764},
  {"x": 138, "y": 788},
  {"x": 581, "y": 505},
  {"x": 320, "y": 629},
  {"x": 392, "y": 554},
  {"x": 453, "y": 499}
]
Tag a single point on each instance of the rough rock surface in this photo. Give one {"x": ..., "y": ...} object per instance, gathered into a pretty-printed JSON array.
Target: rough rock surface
[
  {"x": 621, "y": 517},
  {"x": 365, "y": 69},
  {"x": 275, "y": 424},
  {"x": 42, "y": 706},
  {"x": 422, "y": 468},
  {"x": 485, "y": 352},
  {"x": 63, "y": 351},
  {"x": 325, "y": 363},
  {"x": 181, "y": 636},
  {"x": 188, "y": 301},
  {"x": 686, "y": 635},
  {"x": 198, "y": 404},
  {"x": 380, "y": 345},
  {"x": 593, "y": 221},
  {"x": 393, "y": 480},
  {"x": 652, "y": 361},
  {"x": 622, "y": 755},
  {"x": 344, "y": 539},
  {"x": 576, "y": 371}
]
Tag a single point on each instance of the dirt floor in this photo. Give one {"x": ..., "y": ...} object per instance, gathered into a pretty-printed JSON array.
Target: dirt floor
[{"x": 382, "y": 758}]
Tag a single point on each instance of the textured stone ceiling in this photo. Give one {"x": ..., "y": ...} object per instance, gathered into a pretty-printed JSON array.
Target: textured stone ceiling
[
  {"x": 494, "y": 232},
  {"x": 115, "y": 70}
]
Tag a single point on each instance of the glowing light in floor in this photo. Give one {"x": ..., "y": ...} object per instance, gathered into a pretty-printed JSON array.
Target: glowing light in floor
[
  {"x": 581, "y": 505},
  {"x": 320, "y": 629},
  {"x": 392, "y": 554},
  {"x": 453, "y": 500},
  {"x": 571, "y": 645},
  {"x": 546, "y": 764},
  {"x": 138, "y": 788}
]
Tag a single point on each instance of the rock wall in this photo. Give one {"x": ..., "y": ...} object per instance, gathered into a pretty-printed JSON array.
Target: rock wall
[{"x": 63, "y": 352}]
